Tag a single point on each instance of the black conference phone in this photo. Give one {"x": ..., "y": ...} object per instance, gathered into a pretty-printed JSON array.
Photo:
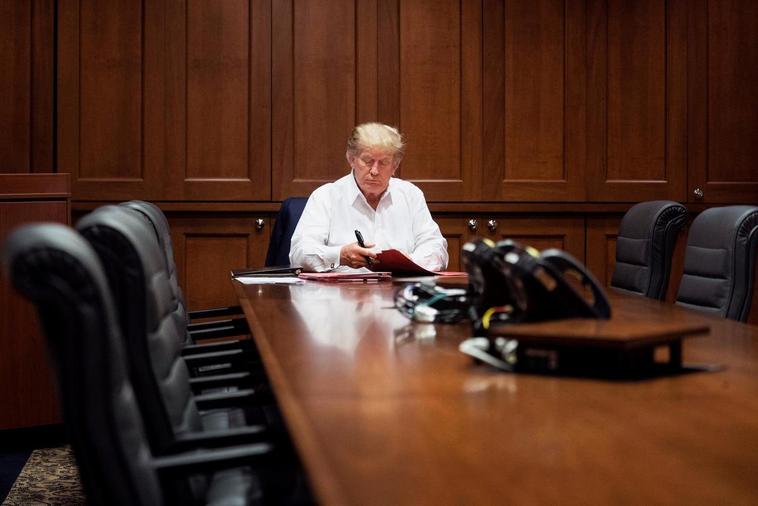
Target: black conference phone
[{"x": 511, "y": 283}]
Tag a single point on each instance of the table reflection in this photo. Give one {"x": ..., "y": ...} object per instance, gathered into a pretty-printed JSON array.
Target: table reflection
[{"x": 341, "y": 316}]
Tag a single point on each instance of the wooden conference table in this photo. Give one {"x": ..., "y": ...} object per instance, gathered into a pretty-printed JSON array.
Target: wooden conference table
[{"x": 384, "y": 411}]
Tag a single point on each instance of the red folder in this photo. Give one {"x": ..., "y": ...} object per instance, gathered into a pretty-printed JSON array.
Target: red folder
[
  {"x": 400, "y": 265},
  {"x": 342, "y": 277}
]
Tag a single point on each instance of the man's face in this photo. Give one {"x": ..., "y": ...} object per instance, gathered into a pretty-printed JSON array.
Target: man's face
[{"x": 373, "y": 169}]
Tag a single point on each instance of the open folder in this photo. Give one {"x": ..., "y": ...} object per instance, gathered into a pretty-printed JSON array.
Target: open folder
[
  {"x": 267, "y": 272},
  {"x": 400, "y": 265},
  {"x": 351, "y": 277}
]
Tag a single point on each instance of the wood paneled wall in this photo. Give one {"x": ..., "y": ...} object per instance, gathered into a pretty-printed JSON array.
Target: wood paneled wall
[
  {"x": 242, "y": 103},
  {"x": 500, "y": 100}
]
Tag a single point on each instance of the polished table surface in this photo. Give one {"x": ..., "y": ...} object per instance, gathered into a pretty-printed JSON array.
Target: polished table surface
[{"x": 384, "y": 411}]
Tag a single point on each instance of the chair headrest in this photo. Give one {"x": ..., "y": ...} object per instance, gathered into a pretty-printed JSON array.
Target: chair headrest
[
  {"x": 128, "y": 247},
  {"x": 636, "y": 223}
]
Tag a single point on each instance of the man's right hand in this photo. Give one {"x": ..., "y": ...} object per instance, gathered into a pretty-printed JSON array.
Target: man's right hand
[{"x": 354, "y": 256}]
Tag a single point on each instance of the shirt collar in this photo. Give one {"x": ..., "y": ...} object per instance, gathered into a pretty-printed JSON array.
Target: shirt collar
[{"x": 355, "y": 192}]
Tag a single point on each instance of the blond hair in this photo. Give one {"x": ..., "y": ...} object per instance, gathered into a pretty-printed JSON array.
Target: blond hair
[{"x": 376, "y": 135}]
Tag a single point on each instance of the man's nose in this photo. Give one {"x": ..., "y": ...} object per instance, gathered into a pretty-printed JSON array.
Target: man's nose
[{"x": 374, "y": 169}]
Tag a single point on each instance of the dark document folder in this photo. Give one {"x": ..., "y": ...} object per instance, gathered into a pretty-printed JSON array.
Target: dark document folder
[{"x": 268, "y": 272}]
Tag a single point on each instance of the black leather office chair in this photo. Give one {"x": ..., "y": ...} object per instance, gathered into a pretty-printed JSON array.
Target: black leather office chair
[
  {"x": 209, "y": 356},
  {"x": 644, "y": 247},
  {"x": 135, "y": 269},
  {"x": 205, "y": 330},
  {"x": 719, "y": 262},
  {"x": 278, "y": 253},
  {"x": 61, "y": 274}
]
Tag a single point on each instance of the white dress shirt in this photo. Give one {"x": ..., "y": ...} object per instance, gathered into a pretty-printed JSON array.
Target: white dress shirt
[{"x": 335, "y": 210}]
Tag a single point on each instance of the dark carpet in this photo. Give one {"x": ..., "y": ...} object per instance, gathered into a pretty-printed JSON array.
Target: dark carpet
[
  {"x": 50, "y": 477},
  {"x": 51, "y": 465}
]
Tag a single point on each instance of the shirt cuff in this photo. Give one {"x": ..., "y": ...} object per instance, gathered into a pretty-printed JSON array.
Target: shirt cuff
[{"x": 332, "y": 257}]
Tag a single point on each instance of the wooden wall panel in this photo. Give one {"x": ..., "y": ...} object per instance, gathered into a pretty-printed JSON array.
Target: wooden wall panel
[
  {"x": 217, "y": 56},
  {"x": 111, "y": 76},
  {"x": 26, "y": 86},
  {"x": 457, "y": 233},
  {"x": 723, "y": 108},
  {"x": 207, "y": 247},
  {"x": 438, "y": 90},
  {"x": 430, "y": 88},
  {"x": 218, "y": 108},
  {"x": 534, "y": 106},
  {"x": 15, "y": 85},
  {"x": 315, "y": 91},
  {"x": 109, "y": 116},
  {"x": 637, "y": 100},
  {"x": 27, "y": 382},
  {"x": 539, "y": 231},
  {"x": 543, "y": 232},
  {"x": 602, "y": 232}
]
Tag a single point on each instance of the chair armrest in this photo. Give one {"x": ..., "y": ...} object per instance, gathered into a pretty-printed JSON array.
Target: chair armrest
[
  {"x": 224, "y": 400},
  {"x": 215, "y": 357},
  {"x": 238, "y": 323},
  {"x": 236, "y": 436},
  {"x": 245, "y": 345},
  {"x": 214, "y": 312},
  {"x": 235, "y": 379},
  {"x": 216, "y": 332},
  {"x": 204, "y": 461}
]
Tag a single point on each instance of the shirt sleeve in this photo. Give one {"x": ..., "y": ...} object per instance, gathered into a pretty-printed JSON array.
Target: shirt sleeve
[
  {"x": 430, "y": 249},
  {"x": 308, "y": 248}
]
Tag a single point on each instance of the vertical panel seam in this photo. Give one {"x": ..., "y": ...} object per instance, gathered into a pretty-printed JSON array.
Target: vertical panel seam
[
  {"x": 666, "y": 95},
  {"x": 31, "y": 122},
  {"x": 54, "y": 85},
  {"x": 142, "y": 90}
]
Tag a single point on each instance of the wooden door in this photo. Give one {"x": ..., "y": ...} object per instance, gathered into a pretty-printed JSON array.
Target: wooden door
[
  {"x": 723, "y": 103},
  {"x": 637, "y": 100}
]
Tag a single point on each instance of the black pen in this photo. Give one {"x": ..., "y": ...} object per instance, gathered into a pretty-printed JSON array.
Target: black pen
[{"x": 359, "y": 236}]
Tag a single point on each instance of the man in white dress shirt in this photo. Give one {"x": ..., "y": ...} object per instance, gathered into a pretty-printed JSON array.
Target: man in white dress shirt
[{"x": 389, "y": 212}]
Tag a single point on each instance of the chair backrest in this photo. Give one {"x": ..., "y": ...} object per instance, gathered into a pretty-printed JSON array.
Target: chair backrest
[
  {"x": 60, "y": 273},
  {"x": 134, "y": 265},
  {"x": 281, "y": 235},
  {"x": 645, "y": 244},
  {"x": 153, "y": 215},
  {"x": 719, "y": 262}
]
